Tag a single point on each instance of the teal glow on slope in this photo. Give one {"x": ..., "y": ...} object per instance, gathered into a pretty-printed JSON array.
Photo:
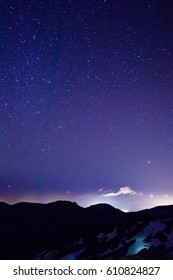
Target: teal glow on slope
[{"x": 138, "y": 245}]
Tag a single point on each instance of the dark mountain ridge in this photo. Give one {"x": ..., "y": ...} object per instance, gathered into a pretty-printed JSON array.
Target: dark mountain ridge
[{"x": 57, "y": 229}]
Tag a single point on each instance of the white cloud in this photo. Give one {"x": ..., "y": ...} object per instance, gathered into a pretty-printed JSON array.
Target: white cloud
[
  {"x": 100, "y": 190},
  {"x": 140, "y": 194},
  {"x": 122, "y": 190}
]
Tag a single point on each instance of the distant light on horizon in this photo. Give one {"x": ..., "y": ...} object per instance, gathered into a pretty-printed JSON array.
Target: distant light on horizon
[{"x": 134, "y": 202}]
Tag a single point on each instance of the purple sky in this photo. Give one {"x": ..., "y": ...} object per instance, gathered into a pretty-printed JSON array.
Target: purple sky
[{"x": 86, "y": 102}]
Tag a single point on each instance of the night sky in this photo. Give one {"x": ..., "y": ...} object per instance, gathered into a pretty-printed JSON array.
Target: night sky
[{"x": 86, "y": 102}]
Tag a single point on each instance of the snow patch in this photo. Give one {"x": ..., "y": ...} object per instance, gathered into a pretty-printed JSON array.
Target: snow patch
[
  {"x": 73, "y": 255},
  {"x": 46, "y": 255},
  {"x": 112, "y": 234},
  {"x": 151, "y": 229},
  {"x": 100, "y": 236},
  {"x": 109, "y": 251}
]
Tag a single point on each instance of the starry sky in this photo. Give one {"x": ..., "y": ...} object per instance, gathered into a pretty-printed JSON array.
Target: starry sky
[{"x": 86, "y": 102}]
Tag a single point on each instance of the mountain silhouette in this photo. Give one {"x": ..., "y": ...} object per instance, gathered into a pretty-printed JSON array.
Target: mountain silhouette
[{"x": 64, "y": 230}]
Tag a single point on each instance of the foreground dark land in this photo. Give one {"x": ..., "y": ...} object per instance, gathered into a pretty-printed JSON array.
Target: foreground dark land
[{"x": 64, "y": 230}]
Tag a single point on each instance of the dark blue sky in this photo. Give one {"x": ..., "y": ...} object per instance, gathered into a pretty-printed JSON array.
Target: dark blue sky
[{"x": 86, "y": 101}]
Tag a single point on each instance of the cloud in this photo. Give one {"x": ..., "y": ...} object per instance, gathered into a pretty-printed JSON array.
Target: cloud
[
  {"x": 122, "y": 190},
  {"x": 140, "y": 194}
]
